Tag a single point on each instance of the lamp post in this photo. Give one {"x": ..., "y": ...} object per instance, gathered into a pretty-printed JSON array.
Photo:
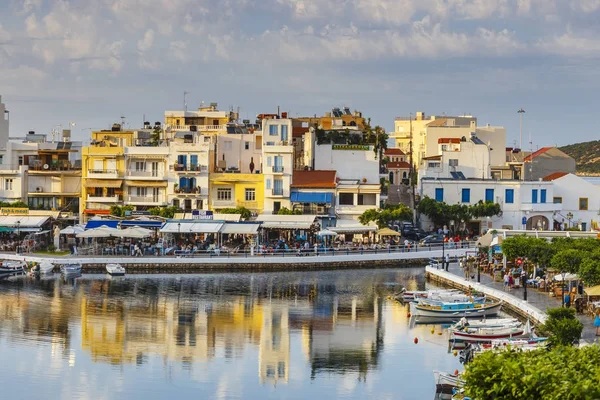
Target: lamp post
[
  {"x": 18, "y": 237},
  {"x": 524, "y": 279},
  {"x": 478, "y": 262},
  {"x": 562, "y": 287},
  {"x": 569, "y": 217}
]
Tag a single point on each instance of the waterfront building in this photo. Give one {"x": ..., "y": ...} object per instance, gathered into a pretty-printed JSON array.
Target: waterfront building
[
  {"x": 278, "y": 158},
  {"x": 397, "y": 168},
  {"x": 338, "y": 118},
  {"x": 207, "y": 120},
  {"x": 459, "y": 158},
  {"x": 579, "y": 202}
]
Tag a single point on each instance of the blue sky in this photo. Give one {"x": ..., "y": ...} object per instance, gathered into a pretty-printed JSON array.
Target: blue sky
[{"x": 92, "y": 62}]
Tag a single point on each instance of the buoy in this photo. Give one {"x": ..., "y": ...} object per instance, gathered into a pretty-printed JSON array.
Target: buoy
[
  {"x": 408, "y": 315},
  {"x": 455, "y": 372},
  {"x": 440, "y": 333},
  {"x": 432, "y": 331},
  {"x": 455, "y": 353},
  {"x": 389, "y": 297},
  {"x": 416, "y": 340}
]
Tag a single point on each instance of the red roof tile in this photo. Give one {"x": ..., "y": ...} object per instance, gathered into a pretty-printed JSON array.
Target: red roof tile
[
  {"x": 394, "y": 152},
  {"x": 537, "y": 153},
  {"x": 448, "y": 140},
  {"x": 398, "y": 165},
  {"x": 298, "y": 131},
  {"x": 555, "y": 175},
  {"x": 314, "y": 179}
]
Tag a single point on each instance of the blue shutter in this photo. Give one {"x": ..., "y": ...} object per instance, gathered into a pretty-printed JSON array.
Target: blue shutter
[
  {"x": 439, "y": 194},
  {"x": 273, "y": 130},
  {"x": 194, "y": 160},
  {"x": 489, "y": 195},
  {"x": 510, "y": 196},
  {"x": 466, "y": 195},
  {"x": 534, "y": 196},
  {"x": 543, "y": 196},
  {"x": 284, "y": 132}
]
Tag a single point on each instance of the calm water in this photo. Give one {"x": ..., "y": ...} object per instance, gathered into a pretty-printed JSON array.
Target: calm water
[{"x": 281, "y": 336}]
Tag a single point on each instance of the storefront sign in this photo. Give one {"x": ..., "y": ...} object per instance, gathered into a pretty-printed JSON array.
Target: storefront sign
[
  {"x": 14, "y": 211},
  {"x": 202, "y": 214},
  {"x": 139, "y": 213},
  {"x": 350, "y": 147}
]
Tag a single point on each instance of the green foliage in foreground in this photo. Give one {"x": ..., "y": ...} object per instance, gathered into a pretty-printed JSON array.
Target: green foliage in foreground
[
  {"x": 245, "y": 213},
  {"x": 383, "y": 217},
  {"x": 562, "y": 327},
  {"x": 559, "y": 374}
]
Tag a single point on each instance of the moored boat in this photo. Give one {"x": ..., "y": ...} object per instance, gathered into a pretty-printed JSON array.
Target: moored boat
[
  {"x": 115, "y": 269},
  {"x": 487, "y": 323},
  {"x": 70, "y": 269},
  {"x": 487, "y": 334},
  {"x": 456, "y": 310},
  {"x": 446, "y": 383},
  {"x": 12, "y": 268}
]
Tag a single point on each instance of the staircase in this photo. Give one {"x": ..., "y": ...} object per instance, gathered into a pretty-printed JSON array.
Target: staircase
[{"x": 399, "y": 194}]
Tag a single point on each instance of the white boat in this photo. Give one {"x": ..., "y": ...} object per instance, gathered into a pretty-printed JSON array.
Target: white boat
[
  {"x": 446, "y": 383},
  {"x": 46, "y": 267},
  {"x": 486, "y": 323},
  {"x": 425, "y": 294},
  {"x": 70, "y": 269},
  {"x": 445, "y": 310},
  {"x": 12, "y": 268},
  {"x": 487, "y": 334},
  {"x": 115, "y": 270}
]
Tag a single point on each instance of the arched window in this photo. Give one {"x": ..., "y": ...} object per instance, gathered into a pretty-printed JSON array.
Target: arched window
[
  {"x": 392, "y": 178},
  {"x": 404, "y": 175}
]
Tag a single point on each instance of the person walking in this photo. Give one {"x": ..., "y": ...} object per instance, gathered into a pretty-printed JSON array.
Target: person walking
[
  {"x": 447, "y": 262},
  {"x": 506, "y": 280},
  {"x": 597, "y": 323}
]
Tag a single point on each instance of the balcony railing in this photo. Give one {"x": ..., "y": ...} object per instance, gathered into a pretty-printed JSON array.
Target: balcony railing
[
  {"x": 197, "y": 128},
  {"x": 104, "y": 199},
  {"x": 145, "y": 199},
  {"x": 188, "y": 190},
  {"x": 62, "y": 165},
  {"x": 277, "y": 192},
  {"x": 193, "y": 168},
  {"x": 147, "y": 174},
  {"x": 278, "y": 168}
]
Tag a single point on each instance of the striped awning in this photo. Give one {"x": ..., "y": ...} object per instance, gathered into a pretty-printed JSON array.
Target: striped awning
[{"x": 107, "y": 183}]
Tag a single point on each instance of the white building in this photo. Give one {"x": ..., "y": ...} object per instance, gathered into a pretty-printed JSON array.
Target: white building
[
  {"x": 524, "y": 204},
  {"x": 467, "y": 156},
  {"x": 579, "y": 201},
  {"x": 145, "y": 176},
  {"x": 278, "y": 167}
]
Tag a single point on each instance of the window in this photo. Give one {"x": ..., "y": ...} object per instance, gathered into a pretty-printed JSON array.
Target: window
[
  {"x": 270, "y": 143},
  {"x": 224, "y": 194},
  {"x": 453, "y": 162},
  {"x": 466, "y": 196},
  {"x": 141, "y": 191},
  {"x": 439, "y": 194},
  {"x": 140, "y": 165},
  {"x": 583, "y": 203},
  {"x": 269, "y": 161},
  {"x": 534, "y": 197},
  {"x": 284, "y": 133},
  {"x": 182, "y": 159},
  {"x": 278, "y": 187},
  {"x": 268, "y": 184},
  {"x": 489, "y": 195},
  {"x": 273, "y": 130},
  {"x": 176, "y": 203},
  {"x": 367, "y": 199},
  {"x": 228, "y": 145},
  {"x": 346, "y": 199},
  {"x": 509, "y": 195},
  {"x": 444, "y": 147},
  {"x": 557, "y": 200},
  {"x": 543, "y": 196},
  {"x": 8, "y": 184},
  {"x": 246, "y": 145},
  {"x": 20, "y": 160},
  {"x": 281, "y": 369},
  {"x": 434, "y": 164},
  {"x": 1, "y": 159},
  {"x": 194, "y": 160},
  {"x": 250, "y": 194}
]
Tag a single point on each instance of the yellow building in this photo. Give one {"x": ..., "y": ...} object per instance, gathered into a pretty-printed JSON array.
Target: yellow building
[
  {"x": 416, "y": 127},
  {"x": 336, "y": 119},
  {"x": 206, "y": 120},
  {"x": 230, "y": 190}
]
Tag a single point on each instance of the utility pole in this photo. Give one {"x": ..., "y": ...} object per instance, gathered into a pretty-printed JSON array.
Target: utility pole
[
  {"x": 412, "y": 173},
  {"x": 521, "y": 112}
]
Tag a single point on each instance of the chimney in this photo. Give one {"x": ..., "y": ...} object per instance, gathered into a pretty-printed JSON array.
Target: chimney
[
  {"x": 473, "y": 124},
  {"x": 284, "y": 114}
]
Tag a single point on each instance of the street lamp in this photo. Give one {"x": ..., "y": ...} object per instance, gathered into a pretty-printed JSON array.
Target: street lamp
[
  {"x": 521, "y": 112},
  {"x": 569, "y": 217},
  {"x": 524, "y": 279},
  {"x": 18, "y": 237},
  {"x": 478, "y": 262}
]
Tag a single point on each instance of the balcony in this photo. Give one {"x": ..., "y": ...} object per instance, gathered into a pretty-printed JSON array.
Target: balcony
[
  {"x": 142, "y": 175},
  {"x": 275, "y": 193},
  {"x": 541, "y": 207},
  {"x": 182, "y": 168},
  {"x": 147, "y": 200},
  {"x": 103, "y": 199},
  {"x": 353, "y": 209},
  {"x": 224, "y": 204},
  {"x": 195, "y": 191},
  {"x": 197, "y": 128},
  {"x": 277, "y": 169},
  {"x": 248, "y": 204},
  {"x": 62, "y": 166},
  {"x": 103, "y": 173}
]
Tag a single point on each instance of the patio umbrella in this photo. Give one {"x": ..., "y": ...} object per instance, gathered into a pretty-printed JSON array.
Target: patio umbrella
[
  {"x": 72, "y": 230},
  {"x": 387, "y": 232},
  {"x": 100, "y": 232},
  {"x": 326, "y": 232},
  {"x": 135, "y": 232}
]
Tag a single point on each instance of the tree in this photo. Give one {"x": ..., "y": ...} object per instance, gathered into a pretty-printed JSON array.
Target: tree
[
  {"x": 441, "y": 213},
  {"x": 562, "y": 327},
  {"x": 589, "y": 269},
  {"x": 245, "y": 213},
  {"x": 156, "y": 134},
  {"x": 537, "y": 250},
  {"x": 165, "y": 212},
  {"x": 562, "y": 373},
  {"x": 287, "y": 211},
  {"x": 120, "y": 211},
  {"x": 567, "y": 260},
  {"x": 383, "y": 217}
]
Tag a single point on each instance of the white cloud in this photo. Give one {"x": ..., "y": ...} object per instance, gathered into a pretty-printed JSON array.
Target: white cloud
[
  {"x": 146, "y": 42},
  {"x": 571, "y": 45},
  {"x": 587, "y": 6}
]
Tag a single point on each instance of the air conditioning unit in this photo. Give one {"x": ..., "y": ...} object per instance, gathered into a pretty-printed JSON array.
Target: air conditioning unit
[{"x": 39, "y": 189}]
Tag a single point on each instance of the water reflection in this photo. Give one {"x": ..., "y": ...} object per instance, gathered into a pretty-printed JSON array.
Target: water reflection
[{"x": 322, "y": 323}]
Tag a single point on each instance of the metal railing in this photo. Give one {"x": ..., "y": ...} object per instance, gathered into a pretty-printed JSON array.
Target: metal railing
[{"x": 102, "y": 171}]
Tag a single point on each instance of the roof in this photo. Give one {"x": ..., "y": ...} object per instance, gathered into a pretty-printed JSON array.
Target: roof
[
  {"x": 286, "y": 221},
  {"x": 448, "y": 140},
  {"x": 394, "y": 152},
  {"x": 398, "y": 164},
  {"x": 432, "y": 158},
  {"x": 242, "y": 228},
  {"x": 298, "y": 131},
  {"x": 314, "y": 179},
  {"x": 537, "y": 153},
  {"x": 438, "y": 122},
  {"x": 352, "y": 226},
  {"x": 555, "y": 175}
]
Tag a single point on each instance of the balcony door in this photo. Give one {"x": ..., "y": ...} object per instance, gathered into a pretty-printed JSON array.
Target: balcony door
[
  {"x": 154, "y": 168},
  {"x": 111, "y": 165},
  {"x": 155, "y": 195}
]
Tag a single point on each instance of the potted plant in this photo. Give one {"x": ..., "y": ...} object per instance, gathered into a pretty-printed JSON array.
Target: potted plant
[{"x": 176, "y": 188}]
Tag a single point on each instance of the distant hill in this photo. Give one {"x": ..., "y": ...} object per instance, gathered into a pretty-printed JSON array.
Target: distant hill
[{"x": 587, "y": 156}]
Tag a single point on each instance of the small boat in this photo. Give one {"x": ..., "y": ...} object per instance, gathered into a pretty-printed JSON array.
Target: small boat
[
  {"x": 115, "y": 270},
  {"x": 71, "y": 269},
  {"x": 413, "y": 295},
  {"x": 473, "y": 349},
  {"x": 486, "y": 323},
  {"x": 487, "y": 334},
  {"x": 446, "y": 383},
  {"x": 12, "y": 268},
  {"x": 446, "y": 310},
  {"x": 45, "y": 267}
]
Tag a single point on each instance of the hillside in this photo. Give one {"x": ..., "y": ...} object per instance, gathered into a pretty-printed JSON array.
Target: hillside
[{"x": 587, "y": 156}]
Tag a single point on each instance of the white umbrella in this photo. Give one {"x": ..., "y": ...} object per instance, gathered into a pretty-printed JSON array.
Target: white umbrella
[
  {"x": 326, "y": 232},
  {"x": 135, "y": 232},
  {"x": 567, "y": 277},
  {"x": 101, "y": 232},
  {"x": 72, "y": 230}
]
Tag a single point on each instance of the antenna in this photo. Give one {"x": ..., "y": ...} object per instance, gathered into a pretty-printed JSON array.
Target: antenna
[
  {"x": 122, "y": 122},
  {"x": 184, "y": 101}
]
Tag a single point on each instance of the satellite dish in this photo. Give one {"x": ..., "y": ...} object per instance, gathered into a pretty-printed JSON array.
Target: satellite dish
[{"x": 46, "y": 166}]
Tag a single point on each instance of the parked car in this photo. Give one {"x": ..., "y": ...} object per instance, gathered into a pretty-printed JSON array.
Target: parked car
[
  {"x": 432, "y": 239},
  {"x": 415, "y": 234}
]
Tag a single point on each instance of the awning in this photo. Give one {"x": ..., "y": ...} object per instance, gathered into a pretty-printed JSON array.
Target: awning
[
  {"x": 216, "y": 216},
  {"x": 147, "y": 183},
  {"x": 241, "y": 228},
  {"x": 311, "y": 197},
  {"x": 191, "y": 227},
  {"x": 352, "y": 226},
  {"x": 25, "y": 223},
  {"x": 593, "y": 291},
  {"x": 99, "y": 222},
  {"x": 142, "y": 224},
  {"x": 107, "y": 183},
  {"x": 97, "y": 212},
  {"x": 286, "y": 221}
]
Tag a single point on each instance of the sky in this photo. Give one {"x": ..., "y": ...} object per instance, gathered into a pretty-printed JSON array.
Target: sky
[{"x": 92, "y": 62}]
